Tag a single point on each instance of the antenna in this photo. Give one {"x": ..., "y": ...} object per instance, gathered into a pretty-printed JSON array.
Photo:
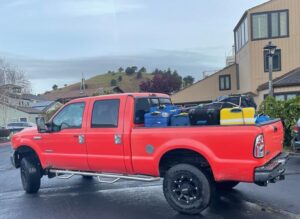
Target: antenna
[{"x": 82, "y": 85}]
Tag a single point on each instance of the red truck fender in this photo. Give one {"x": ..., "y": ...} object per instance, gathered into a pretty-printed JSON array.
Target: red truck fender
[
  {"x": 185, "y": 144},
  {"x": 24, "y": 142}
]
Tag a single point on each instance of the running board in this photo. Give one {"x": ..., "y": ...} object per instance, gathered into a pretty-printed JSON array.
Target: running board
[{"x": 69, "y": 173}]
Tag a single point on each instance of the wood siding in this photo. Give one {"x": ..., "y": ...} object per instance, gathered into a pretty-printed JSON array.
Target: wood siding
[
  {"x": 207, "y": 89},
  {"x": 250, "y": 58},
  {"x": 8, "y": 114}
]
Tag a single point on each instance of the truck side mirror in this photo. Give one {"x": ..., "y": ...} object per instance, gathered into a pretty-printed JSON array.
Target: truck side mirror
[{"x": 41, "y": 125}]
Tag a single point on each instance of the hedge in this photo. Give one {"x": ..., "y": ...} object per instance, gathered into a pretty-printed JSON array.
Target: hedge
[{"x": 288, "y": 111}]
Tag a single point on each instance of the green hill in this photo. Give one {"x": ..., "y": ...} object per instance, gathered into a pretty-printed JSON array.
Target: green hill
[{"x": 129, "y": 83}]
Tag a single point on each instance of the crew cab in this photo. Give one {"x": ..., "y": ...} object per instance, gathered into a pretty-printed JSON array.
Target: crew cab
[{"x": 105, "y": 137}]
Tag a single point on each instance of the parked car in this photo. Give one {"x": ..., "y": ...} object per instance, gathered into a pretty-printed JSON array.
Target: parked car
[
  {"x": 14, "y": 127},
  {"x": 296, "y": 139},
  {"x": 237, "y": 100},
  {"x": 104, "y": 136},
  {"x": 4, "y": 133}
]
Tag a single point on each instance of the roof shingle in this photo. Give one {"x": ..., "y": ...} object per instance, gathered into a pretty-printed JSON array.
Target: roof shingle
[{"x": 292, "y": 78}]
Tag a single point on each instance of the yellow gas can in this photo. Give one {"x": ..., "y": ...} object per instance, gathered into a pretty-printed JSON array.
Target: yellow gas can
[{"x": 237, "y": 116}]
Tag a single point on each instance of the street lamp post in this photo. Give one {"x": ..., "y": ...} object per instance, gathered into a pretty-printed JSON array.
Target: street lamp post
[{"x": 270, "y": 49}]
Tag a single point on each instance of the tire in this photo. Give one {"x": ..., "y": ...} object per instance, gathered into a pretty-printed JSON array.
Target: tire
[
  {"x": 187, "y": 189},
  {"x": 30, "y": 175},
  {"x": 227, "y": 185},
  {"x": 87, "y": 177}
]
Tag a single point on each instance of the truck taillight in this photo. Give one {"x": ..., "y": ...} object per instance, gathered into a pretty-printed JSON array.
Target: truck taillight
[{"x": 259, "y": 147}]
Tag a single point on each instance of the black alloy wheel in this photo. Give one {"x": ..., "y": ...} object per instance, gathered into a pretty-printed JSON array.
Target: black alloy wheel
[{"x": 187, "y": 189}]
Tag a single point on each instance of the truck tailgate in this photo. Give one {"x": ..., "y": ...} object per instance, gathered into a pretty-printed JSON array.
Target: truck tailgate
[{"x": 273, "y": 137}]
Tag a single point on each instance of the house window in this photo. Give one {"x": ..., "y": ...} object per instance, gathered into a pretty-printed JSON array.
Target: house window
[
  {"x": 23, "y": 119},
  {"x": 280, "y": 97},
  {"x": 284, "y": 96},
  {"x": 270, "y": 25},
  {"x": 291, "y": 96},
  {"x": 241, "y": 34},
  {"x": 260, "y": 26},
  {"x": 224, "y": 82},
  {"x": 276, "y": 61}
]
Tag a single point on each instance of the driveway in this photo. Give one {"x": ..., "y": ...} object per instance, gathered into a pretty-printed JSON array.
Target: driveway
[{"x": 79, "y": 198}]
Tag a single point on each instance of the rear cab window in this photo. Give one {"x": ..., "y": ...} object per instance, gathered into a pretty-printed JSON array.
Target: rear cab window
[
  {"x": 143, "y": 105},
  {"x": 105, "y": 113}
]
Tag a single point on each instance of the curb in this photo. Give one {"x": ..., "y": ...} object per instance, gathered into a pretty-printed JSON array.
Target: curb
[
  {"x": 4, "y": 144},
  {"x": 294, "y": 154}
]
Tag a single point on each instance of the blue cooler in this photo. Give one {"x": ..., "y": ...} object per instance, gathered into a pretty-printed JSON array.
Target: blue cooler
[
  {"x": 262, "y": 118},
  {"x": 157, "y": 119},
  {"x": 180, "y": 120}
]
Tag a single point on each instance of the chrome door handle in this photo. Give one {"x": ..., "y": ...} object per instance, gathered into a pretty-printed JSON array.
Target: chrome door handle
[
  {"x": 37, "y": 138},
  {"x": 81, "y": 138},
  {"x": 118, "y": 139}
]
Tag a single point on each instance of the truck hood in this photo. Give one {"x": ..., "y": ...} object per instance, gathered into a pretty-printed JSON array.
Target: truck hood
[{"x": 26, "y": 133}]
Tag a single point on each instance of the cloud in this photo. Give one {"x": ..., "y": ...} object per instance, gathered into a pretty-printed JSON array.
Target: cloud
[
  {"x": 14, "y": 3},
  {"x": 93, "y": 7},
  {"x": 44, "y": 73},
  {"x": 74, "y": 8}
]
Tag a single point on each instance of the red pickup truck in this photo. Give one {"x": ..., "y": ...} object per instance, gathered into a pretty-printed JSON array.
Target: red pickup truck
[{"x": 105, "y": 137}]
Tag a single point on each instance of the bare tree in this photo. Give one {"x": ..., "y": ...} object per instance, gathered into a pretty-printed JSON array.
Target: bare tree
[{"x": 11, "y": 75}]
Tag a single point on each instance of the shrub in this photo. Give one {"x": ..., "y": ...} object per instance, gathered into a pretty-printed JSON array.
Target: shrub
[
  {"x": 139, "y": 75},
  {"x": 288, "y": 111},
  {"x": 162, "y": 82},
  {"x": 113, "y": 82}
]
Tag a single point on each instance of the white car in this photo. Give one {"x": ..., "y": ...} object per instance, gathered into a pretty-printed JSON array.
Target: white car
[{"x": 14, "y": 127}]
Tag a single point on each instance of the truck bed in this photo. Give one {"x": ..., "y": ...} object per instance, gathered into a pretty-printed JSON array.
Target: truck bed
[{"x": 228, "y": 149}]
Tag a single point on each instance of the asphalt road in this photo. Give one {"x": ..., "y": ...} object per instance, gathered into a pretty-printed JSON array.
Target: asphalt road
[{"x": 79, "y": 198}]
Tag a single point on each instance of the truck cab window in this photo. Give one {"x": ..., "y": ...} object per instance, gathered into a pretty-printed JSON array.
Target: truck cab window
[
  {"x": 165, "y": 101},
  {"x": 105, "y": 114},
  {"x": 70, "y": 117},
  {"x": 143, "y": 105}
]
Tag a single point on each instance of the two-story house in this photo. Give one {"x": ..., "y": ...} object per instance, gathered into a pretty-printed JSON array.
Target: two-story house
[{"x": 277, "y": 21}]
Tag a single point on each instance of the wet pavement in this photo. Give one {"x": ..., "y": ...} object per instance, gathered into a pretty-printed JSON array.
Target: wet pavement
[{"x": 80, "y": 198}]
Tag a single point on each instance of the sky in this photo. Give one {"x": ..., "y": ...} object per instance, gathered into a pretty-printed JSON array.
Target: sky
[{"x": 56, "y": 41}]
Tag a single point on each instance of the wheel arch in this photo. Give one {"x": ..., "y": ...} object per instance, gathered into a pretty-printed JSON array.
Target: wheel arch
[
  {"x": 24, "y": 151},
  {"x": 184, "y": 154}
]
